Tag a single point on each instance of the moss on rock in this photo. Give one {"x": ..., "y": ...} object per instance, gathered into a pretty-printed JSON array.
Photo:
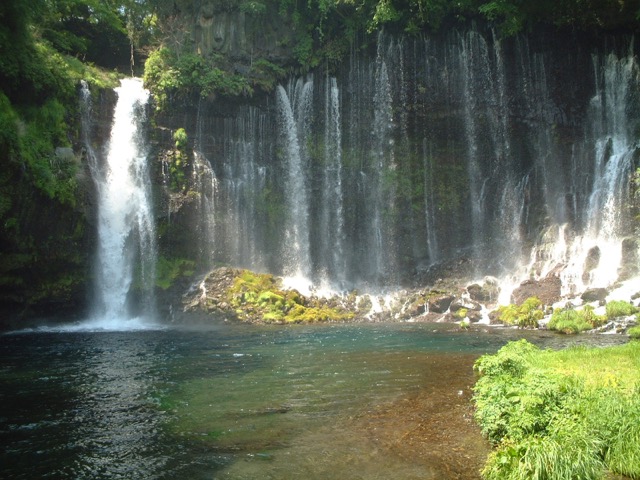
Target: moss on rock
[{"x": 260, "y": 298}]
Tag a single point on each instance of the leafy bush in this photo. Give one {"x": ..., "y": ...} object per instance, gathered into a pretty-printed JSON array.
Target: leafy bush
[
  {"x": 168, "y": 270},
  {"x": 634, "y": 332},
  {"x": 526, "y": 315},
  {"x": 181, "y": 139},
  {"x": 170, "y": 76},
  {"x": 572, "y": 321},
  {"x": 620, "y": 308},
  {"x": 549, "y": 421}
]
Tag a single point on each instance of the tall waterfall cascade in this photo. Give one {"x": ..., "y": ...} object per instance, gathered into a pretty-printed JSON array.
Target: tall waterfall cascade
[
  {"x": 294, "y": 105},
  {"x": 126, "y": 230}
]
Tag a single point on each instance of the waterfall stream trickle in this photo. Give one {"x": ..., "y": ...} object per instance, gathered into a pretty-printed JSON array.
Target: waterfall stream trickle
[
  {"x": 126, "y": 253},
  {"x": 295, "y": 106}
]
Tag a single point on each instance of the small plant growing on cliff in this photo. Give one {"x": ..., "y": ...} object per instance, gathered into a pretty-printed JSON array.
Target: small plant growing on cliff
[{"x": 181, "y": 139}]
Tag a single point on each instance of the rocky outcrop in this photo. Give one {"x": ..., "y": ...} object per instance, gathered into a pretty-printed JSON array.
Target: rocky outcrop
[
  {"x": 547, "y": 290},
  {"x": 242, "y": 35}
]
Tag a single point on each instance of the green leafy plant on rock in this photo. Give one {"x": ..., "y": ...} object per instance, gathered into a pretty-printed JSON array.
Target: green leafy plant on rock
[
  {"x": 570, "y": 321},
  {"x": 526, "y": 315},
  {"x": 171, "y": 76},
  {"x": 168, "y": 270},
  {"x": 620, "y": 308}
]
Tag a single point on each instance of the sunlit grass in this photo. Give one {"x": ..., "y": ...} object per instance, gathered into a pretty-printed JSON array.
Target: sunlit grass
[
  {"x": 617, "y": 367},
  {"x": 573, "y": 413}
]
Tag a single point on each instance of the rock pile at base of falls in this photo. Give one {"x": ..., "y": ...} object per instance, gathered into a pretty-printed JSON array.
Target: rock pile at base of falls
[
  {"x": 235, "y": 294},
  {"x": 231, "y": 294}
]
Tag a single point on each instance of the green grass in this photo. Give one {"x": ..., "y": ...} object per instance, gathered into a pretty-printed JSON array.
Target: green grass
[
  {"x": 620, "y": 308},
  {"x": 573, "y": 413},
  {"x": 634, "y": 333}
]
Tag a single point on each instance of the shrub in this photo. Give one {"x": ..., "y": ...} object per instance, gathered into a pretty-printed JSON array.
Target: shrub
[
  {"x": 572, "y": 321},
  {"x": 620, "y": 308},
  {"x": 181, "y": 139},
  {"x": 634, "y": 332},
  {"x": 549, "y": 420},
  {"x": 171, "y": 76},
  {"x": 526, "y": 315}
]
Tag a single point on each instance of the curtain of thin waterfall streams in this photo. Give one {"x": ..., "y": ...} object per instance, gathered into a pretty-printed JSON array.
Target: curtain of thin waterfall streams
[
  {"x": 126, "y": 231},
  {"x": 422, "y": 153}
]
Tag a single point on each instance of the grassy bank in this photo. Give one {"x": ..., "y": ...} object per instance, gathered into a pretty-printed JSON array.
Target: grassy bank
[{"x": 569, "y": 414}]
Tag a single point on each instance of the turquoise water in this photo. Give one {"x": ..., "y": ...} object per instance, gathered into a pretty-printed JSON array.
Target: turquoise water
[{"x": 244, "y": 402}]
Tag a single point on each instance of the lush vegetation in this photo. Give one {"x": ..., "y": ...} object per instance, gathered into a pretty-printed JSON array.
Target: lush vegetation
[
  {"x": 261, "y": 295},
  {"x": 564, "y": 414},
  {"x": 322, "y": 32},
  {"x": 526, "y": 315},
  {"x": 569, "y": 320},
  {"x": 169, "y": 270}
]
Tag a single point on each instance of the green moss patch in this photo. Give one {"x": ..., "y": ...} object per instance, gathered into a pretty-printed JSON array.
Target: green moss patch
[{"x": 261, "y": 297}]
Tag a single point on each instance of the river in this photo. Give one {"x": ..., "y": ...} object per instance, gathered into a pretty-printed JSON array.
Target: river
[{"x": 225, "y": 401}]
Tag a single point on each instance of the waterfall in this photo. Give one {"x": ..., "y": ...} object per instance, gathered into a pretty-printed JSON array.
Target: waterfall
[
  {"x": 423, "y": 152},
  {"x": 295, "y": 112},
  {"x": 206, "y": 184},
  {"x": 126, "y": 231},
  {"x": 613, "y": 151},
  {"x": 244, "y": 206},
  {"x": 332, "y": 214},
  {"x": 591, "y": 254},
  {"x": 381, "y": 196},
  {"x": 492, "y": 179},
  {"x": 429, "y": 203}
]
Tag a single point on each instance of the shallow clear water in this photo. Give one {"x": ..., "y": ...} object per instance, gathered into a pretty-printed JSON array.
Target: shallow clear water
[{"x": 244, "y": 402}]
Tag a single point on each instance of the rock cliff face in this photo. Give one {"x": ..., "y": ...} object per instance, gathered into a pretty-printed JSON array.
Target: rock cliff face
[
  {"x": 411, "y": 156},
  {"x": 241, "y": 37}
]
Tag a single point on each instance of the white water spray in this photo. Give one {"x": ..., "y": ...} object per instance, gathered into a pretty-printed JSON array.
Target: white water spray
[
  {"x": 593, "y": 256},
  {"x": 294, "y": 108},
  {"x": 126, "y": 230}
]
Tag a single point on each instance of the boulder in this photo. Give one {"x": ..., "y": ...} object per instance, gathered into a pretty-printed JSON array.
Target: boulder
[
  {"x": 546, "y": 290},
  {"x": 486, "y": 293},
  {"x": 595, "y": 295},
  {"x": 469, "y": 305},
  {"x": 440, "y": 303},
  {"x": 629, "y": 261}
]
